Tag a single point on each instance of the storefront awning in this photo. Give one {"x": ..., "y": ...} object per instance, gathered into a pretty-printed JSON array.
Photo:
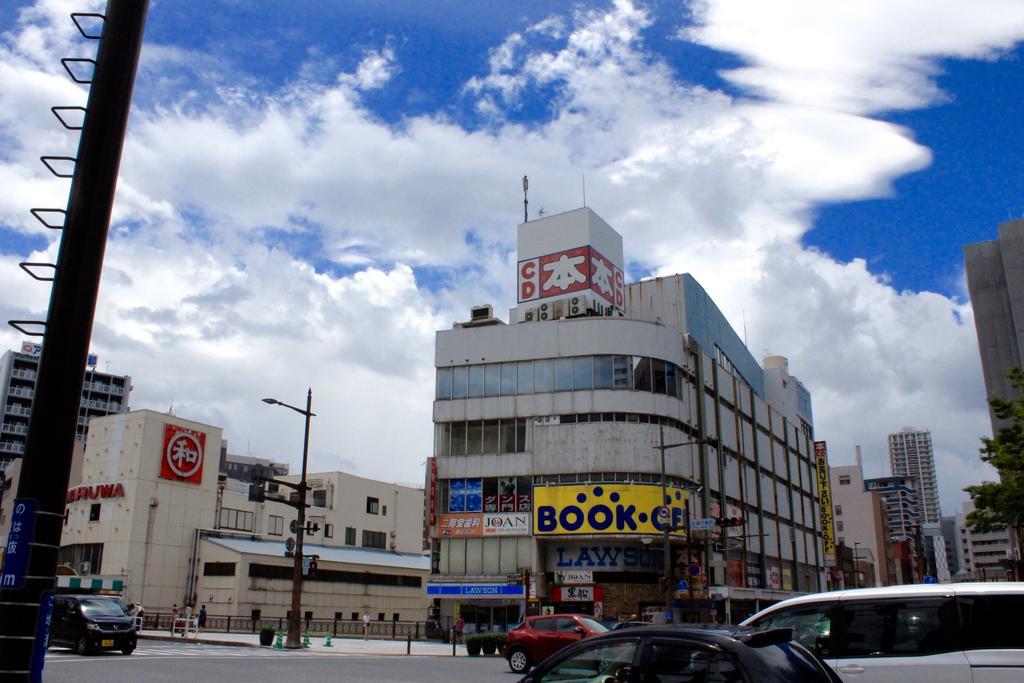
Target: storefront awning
[{"x": 81, "y": 583}]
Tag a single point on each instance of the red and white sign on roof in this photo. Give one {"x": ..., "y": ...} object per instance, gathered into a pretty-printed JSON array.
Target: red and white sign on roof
[
  {"x": 568, "y": 272},
  {"x": 183, "y": 455}
]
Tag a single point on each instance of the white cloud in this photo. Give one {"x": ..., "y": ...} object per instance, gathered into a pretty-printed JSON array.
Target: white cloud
[{"x": 267, "y": 242}]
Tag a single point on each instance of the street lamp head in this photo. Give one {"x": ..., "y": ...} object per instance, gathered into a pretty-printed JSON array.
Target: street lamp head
[{"x": 271, "y": 401}]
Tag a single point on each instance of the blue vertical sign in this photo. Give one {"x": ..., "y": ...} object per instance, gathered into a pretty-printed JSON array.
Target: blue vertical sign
[
  {"x": 43, "y": 619},
  {"x": 23, "y": 521}
]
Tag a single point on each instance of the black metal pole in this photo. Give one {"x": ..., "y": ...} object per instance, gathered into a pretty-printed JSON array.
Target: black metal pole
[
  {"x": 46, "y": 464},
  {"x": 294, "y": 639}
]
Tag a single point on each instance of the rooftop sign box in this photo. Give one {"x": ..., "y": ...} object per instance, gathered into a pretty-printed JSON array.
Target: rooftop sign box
[{"x": 569, "y": 253}]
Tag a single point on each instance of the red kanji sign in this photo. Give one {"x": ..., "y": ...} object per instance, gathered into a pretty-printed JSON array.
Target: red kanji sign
[{"x": 182, "y": 455}]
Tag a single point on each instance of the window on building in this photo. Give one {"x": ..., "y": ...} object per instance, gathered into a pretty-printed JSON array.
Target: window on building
[
  {"x": 524, "y": 379},
  {"x": 355, "y": 616},
  {"x": 839, "y": 510},
  {"x": 384, "y": 510},
  {"x": 350, "y": 535},
  {"x": 374, "y": 539},
  {"x": 476, "y": 381},
  {"x": 844, "y": 480},
  {"x": 839, "y": 526},
  {"x": 94, "y": 512},
  {"x": 380, "y": 616},
  {"x": 563, "y": 374},
  {"x": 319, "y": 498},
  {"x": 460, "y": 377},
  {"x": 583, "y": 373},
  {"x": 236, "y": 519},
  {"x": 218, "y": 569},
  {"x": 372, "y": 506},
  {"x": 328, "y": 530},
  {"x": 492, "y": 379},
  {"x": 508, "y": 379},
  {"x": 543, "y": 376},
  {"x": 84, "y": 558},
  {"x": 444, "y": 384},
  {"x": 275, "y": 525}
]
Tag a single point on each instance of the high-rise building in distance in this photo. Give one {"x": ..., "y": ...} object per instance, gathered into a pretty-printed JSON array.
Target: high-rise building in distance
[{"x": 911, "y": 455}]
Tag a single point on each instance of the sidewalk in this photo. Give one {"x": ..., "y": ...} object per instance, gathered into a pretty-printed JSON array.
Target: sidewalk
[{"x": 340, "y": 645}]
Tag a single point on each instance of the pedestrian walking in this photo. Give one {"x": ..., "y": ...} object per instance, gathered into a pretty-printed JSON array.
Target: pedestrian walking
[
  {"x": 366, "y": 624},
  {"x": 460, "y": 624},
  {"x": 202, "y": 617}
]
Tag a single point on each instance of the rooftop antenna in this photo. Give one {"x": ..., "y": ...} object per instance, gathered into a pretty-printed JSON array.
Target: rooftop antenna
[
  {"x": 526, "y": 203},
  {"x": 584, "y": 189}
]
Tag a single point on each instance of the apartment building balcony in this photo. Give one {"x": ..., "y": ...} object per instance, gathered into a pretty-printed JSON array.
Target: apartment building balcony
[
  {"x": 13, "y": 447},
  {"x": 15, "y": 409},
  {"x": 21, "y": 392},
  {"x": 14, "y": 428},
  {"x": 30, "y": 375}
]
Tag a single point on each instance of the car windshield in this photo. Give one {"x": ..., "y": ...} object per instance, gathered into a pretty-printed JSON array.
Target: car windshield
[
  {"x": 92, "y": 607},
  {"x": 593, "y": 624}
]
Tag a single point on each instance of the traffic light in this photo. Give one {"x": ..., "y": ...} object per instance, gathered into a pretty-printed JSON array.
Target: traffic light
[
  {"x": 312, "y": 567},
  {"x": 257, "y": 494}
]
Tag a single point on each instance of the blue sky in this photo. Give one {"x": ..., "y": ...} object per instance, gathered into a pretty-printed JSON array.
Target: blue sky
[{"x": 343, "y": 179}]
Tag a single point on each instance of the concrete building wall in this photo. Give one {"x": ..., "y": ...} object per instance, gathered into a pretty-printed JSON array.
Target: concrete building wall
[
  {"x": 995, "y": 282},
  {"x": 860, "y": 513},
  {"x": 147, "y": 534}
]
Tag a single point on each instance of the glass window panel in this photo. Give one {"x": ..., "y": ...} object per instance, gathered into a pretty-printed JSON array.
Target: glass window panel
[
  {"x": 563, "y": 374},
  {"x": 543, "y": 379},
  {"x": 474, "y": 437},
  {"x": 623, "y": 372},
  {"x": 671, "y": 380},
  {"x": 508, "y": 436},
  {"x": 602, "y": 372},
  {"x": 601, "y": 661},
  {"x": 508, "y": 379},
  {"x": 443, "y": 438},
  {"x": 476, "y": 381},
  {"x": 583, "y": 373},
  {"x": 474, "y": 495},
  {"x": 642, "y": 373},
  {"x": 812, "y": 626},
  {"x": 491, "y": 436},
  {"x": 492, "y": 379},
  {"x": 521, "y": 445},
  {"x": 457, "y": 495},
  {"x": 491, "y": 494},
  {"x": 458, "y": 438},
  {"x": 525, "y": 380},
  {"x": 659, "y": 377},
  {"x": 460, "y": 376},
  {"x": 444, "y": 383},
  {"x": 680, "y": 382}
]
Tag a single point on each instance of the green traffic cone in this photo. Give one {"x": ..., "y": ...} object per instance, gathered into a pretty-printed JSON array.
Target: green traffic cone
[
  {"x": 327, "y": 642},
  {"x": 305, "y": 639},
  {"x": 279, "y": 642}
]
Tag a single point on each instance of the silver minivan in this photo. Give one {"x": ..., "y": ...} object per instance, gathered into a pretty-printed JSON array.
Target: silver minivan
[{"x": 935, "y": 633}]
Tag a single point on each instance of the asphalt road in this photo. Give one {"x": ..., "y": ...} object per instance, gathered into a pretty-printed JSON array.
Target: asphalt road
[{"x": 160, "y": 662}]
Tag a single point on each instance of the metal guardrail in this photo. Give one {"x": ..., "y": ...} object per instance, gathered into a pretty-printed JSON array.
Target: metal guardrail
[{"x": 393, "y": 630}]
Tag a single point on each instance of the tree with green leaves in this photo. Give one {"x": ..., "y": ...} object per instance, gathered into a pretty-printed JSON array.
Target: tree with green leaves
[{"x": 998, "y": 505}]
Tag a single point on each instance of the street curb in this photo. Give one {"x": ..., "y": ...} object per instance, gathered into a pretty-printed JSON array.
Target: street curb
[{"x": 202, "y": 641}]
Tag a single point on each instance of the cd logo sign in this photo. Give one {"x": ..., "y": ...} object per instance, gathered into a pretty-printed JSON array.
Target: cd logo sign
[{"x": 183, "y": 452}]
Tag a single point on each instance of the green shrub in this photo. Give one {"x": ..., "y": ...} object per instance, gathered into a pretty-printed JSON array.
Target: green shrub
[{"x": 489, "y": 643}]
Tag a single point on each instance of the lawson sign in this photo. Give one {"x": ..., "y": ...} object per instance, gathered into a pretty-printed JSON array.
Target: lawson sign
[{"x": 475, "y": 590}]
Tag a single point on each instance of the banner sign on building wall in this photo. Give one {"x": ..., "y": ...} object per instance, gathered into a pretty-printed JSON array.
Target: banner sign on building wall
[
  {"x": 605, "y": 557},
  {"x": 183, "y": 455},
  {"x": 606, "y": 509},
  {"x": 828, "y": 533},
  {"x": 460, "y": 526},
  {"x": 511, "y": 524},
  {"x": 94, "y": 491},
  {"x": 568, "y": 577},
  {"x": 573, "y": 270},
  {"x": 577, "y": 593},
  {"x": 475, "y": 590}
]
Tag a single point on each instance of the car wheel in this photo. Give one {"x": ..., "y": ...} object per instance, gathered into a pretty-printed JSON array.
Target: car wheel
[
  {"x": 83, "y": 646},
  {"x": 128, "y": 649},
  {"x": 519, "y": 660}
]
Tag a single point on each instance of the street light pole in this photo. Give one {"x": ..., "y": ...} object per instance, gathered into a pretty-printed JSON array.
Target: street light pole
[
  {"x": 668, "y": 527},
  {"x": 294, "y": 640},
  {"x": 856, "y": 567}
]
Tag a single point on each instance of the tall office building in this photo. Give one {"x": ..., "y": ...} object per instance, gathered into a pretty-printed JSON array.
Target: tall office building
[
  {"x": 547, "y": 461},
  {"x": 995, "y": 282},
  {"x": 911, "y": 455},
  {"x": 102, "y": 394}
]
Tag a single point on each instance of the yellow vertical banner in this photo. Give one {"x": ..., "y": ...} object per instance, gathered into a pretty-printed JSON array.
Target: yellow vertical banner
[{"x": 828, "y": 532}]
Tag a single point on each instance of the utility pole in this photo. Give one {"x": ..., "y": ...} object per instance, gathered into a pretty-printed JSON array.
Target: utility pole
[
  {"x": 27, "y": 578},
  {"x": 294, "y": 639},
  {"x": 668, "y": 583}
]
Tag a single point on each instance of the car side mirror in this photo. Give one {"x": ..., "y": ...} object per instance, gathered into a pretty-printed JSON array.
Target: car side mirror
[{"x": 580, "y": 630}]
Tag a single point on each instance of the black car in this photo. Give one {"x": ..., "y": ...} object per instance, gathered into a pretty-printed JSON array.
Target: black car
[
  {"x": 88, "y": 623},
  {"x": 663, "y": 654}
]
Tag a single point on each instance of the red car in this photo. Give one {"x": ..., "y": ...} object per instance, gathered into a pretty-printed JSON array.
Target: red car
[{"x": 538, "y": 638}]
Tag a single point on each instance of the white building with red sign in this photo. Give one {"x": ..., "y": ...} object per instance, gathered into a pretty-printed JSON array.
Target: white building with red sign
[
  {"x": 147, "y": 506},
  {"x": 544, "y": 451}
]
